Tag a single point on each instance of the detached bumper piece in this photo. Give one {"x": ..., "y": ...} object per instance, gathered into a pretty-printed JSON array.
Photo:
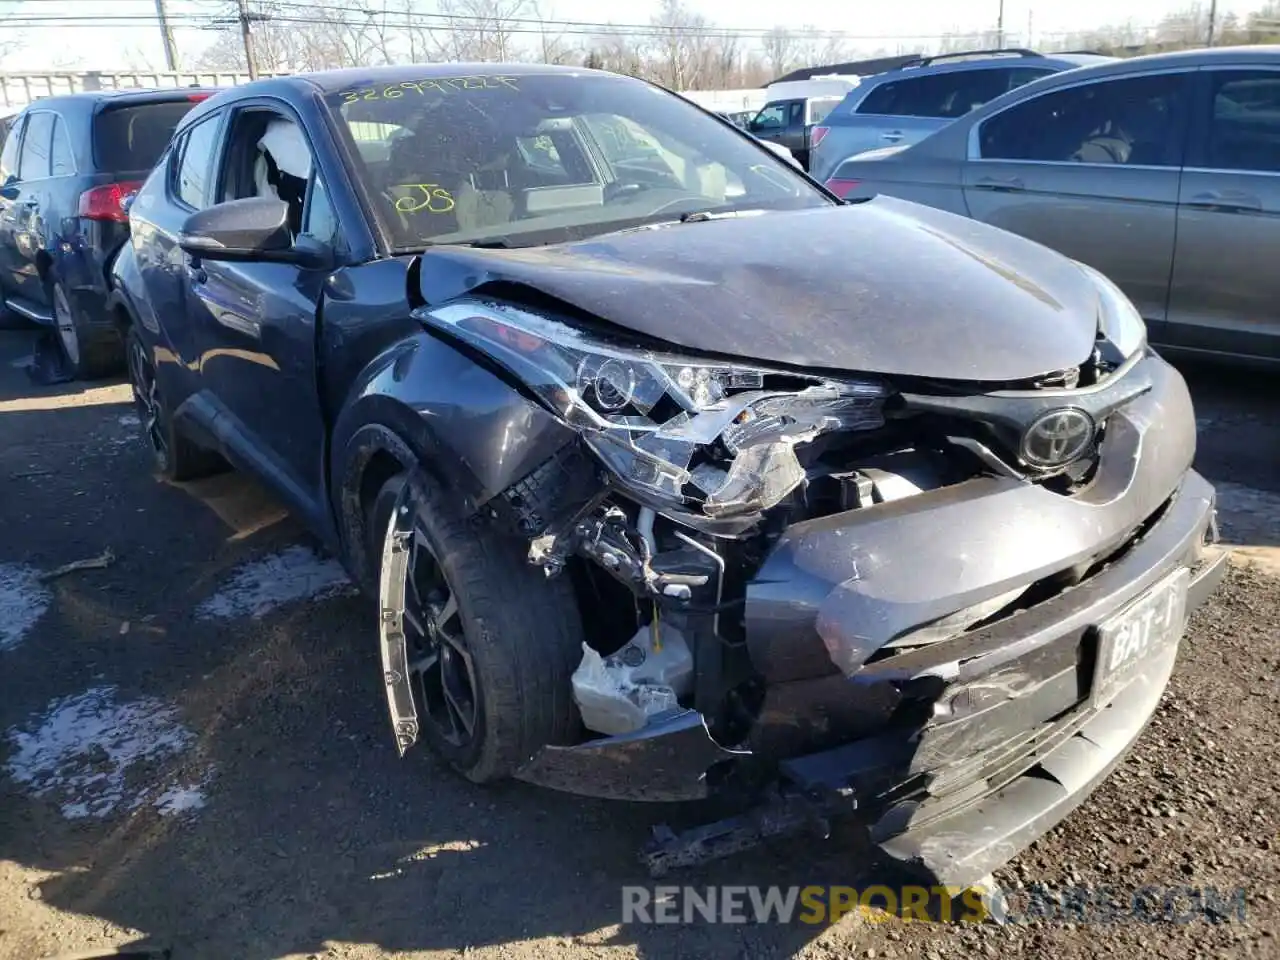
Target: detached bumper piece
[{"x": 666, "y": 761}]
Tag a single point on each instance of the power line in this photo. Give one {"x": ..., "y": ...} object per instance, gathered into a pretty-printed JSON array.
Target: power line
[{"x": 399, "y": 20}]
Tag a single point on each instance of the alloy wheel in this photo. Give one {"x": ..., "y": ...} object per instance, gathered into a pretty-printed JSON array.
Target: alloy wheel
[
  {"x": 146, "y": 399},
  {"x": 439, "y": 659}
]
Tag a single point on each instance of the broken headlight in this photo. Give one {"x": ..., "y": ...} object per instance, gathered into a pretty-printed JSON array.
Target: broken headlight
[{"x": 710, "y": 435}]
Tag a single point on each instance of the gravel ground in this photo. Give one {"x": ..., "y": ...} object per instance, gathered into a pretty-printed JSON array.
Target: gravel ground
[{"x": 193, "y": 753}]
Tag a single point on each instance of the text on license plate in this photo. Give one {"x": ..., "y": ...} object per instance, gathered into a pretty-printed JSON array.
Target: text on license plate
[{"x": 1139, "y": 632}]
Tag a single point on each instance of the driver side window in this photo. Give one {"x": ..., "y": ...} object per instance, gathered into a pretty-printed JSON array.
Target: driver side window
[
  {"x": 268, "y": 156},
  {"x": 774, "y": 115}
]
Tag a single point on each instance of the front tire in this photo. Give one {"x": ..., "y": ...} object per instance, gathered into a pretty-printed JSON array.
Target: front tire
[
  {"x": 175, "y": 456},
  {"x": 492, "y": 643}
]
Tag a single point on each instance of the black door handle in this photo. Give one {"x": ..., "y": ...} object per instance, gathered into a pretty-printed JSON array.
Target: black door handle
[
  {"x": 1000, "y": 184},
  {"x": 1226, "y": 200}
]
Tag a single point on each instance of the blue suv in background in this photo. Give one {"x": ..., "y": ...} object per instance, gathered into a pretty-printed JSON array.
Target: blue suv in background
[
  {"x": 67, "y": 169},
  {"x": 903, "y": 106}
]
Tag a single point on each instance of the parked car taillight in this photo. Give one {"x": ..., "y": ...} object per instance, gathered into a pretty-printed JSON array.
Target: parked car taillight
[
  {"x": 840, "y": 187},
  {"x": 108, "y": 202},
  {"x": 816, "y": 135}
]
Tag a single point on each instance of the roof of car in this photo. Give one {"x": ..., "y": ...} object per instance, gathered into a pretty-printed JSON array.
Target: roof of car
[
  {"x": 331, "y": 81},
  {"x": 985, "y": 61},
  {"x": 1257, "y": 53},
  {"x": 134, "y": 94}
]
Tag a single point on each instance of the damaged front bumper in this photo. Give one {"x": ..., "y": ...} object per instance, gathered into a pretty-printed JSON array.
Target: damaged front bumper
[{"x": 955, "y": 753}]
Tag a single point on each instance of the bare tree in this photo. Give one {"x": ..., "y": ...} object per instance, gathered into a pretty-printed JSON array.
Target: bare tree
[
  {"x": 481, "y": 30},
  {"x": 551, "y": 44},
  {"x": 617, "y": 52},
  {"x": 781, "y": 50},
  {"x": 682, "y": 50}
]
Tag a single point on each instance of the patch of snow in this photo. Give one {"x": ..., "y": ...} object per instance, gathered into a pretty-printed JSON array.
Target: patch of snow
[
  {"x": 128, "y": 420},
  {"x": 23, "y": 601},
  {"x": 90, "y": 750},
  {"x": 177, "y": 800},
  {"x": 258, "y": 587}
]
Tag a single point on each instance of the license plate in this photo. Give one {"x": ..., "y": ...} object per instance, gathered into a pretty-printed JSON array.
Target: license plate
[{"x": 1139, "y": 634}]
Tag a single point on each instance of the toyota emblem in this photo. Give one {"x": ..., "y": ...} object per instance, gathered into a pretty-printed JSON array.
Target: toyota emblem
[{"x": 1057, "y": 437}]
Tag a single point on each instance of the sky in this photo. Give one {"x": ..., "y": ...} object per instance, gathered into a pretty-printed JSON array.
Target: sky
[{"x": 136, "y": 44}]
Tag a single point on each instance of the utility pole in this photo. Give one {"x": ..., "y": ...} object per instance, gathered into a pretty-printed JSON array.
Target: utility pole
[
  {"x": 1000, "y": 27},
  {"x": 249, "y": 59},
  {"x": 1213, "y": 20},
  {"x": 166, "y": 34}
]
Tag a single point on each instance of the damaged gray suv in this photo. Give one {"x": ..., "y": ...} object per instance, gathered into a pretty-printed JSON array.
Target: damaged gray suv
[{"x": 672, "y": 474}]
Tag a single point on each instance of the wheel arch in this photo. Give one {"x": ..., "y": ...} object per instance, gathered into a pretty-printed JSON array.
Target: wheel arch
[{"x": 421, "y": 403}]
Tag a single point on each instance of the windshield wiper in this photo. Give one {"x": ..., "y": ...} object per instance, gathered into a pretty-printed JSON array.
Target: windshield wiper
[{"x": 701, "y": 216}]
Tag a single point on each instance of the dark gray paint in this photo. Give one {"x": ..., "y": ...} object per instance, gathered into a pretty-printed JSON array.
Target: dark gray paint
[{"x": 885, "y": 287}]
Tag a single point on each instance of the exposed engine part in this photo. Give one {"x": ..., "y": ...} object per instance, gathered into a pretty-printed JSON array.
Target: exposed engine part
[
  {"x": 606, "y": 538},
  {"x": 619, "y": 693}
]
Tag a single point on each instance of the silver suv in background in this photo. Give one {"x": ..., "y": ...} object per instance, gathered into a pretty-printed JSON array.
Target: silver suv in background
[
  {"x": 903, "y": 106},
  {"x": 1162, "y": 172}
]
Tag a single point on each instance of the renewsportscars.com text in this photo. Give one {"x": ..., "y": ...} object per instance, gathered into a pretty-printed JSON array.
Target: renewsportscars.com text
[{"x": 827, "y": 904}]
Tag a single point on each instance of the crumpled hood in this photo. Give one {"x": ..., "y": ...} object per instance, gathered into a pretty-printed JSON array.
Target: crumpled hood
[{"x": 883, "y": 287}]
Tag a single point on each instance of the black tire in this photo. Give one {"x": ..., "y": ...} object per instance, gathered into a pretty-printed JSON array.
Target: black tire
[
  {"x": 176, "y": 457},
  {"x": 90, "y": 350},
  {"x": 523, "y": 632}
]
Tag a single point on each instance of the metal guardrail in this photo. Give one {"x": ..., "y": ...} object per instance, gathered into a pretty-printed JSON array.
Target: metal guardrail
[{"x": 19, "y": 89}]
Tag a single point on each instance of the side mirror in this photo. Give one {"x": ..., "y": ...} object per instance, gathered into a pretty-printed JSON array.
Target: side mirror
[
  {"x": 11, "y": 189},
  {"x": 256, "y": 228}
]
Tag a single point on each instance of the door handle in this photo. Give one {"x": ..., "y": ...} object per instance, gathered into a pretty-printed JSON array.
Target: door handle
[
  {"x": 1225, "y": 200},
  {"x": 893, "y": 136},
  {"x": 1001, "y": 184}
]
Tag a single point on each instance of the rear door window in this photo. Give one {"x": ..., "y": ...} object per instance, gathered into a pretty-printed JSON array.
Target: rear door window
[
  {"x": 62, "y": 162},
  {"x": 944, "y": 95},
  {"x": 34, "y": 162},
  {"x": 1244, "y": 125},
  {"x": 131, "y": 137},
  {"x": 1133, "y": 120}
]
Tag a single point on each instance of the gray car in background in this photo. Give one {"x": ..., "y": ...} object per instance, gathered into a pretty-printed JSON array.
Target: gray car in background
[
  {"x": 905, "y": 105},
  {"x": 1162, "y": 172}
]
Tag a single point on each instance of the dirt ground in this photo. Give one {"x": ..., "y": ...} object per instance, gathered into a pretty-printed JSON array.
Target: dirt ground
[{"x": 194, "y": 755}]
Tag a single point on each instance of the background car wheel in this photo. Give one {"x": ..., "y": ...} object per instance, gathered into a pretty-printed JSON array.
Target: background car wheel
[
  {"x": 492, "y": 642},
  {"x": 175, "y": 456},
  {"x": 90, "y": 350}
]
